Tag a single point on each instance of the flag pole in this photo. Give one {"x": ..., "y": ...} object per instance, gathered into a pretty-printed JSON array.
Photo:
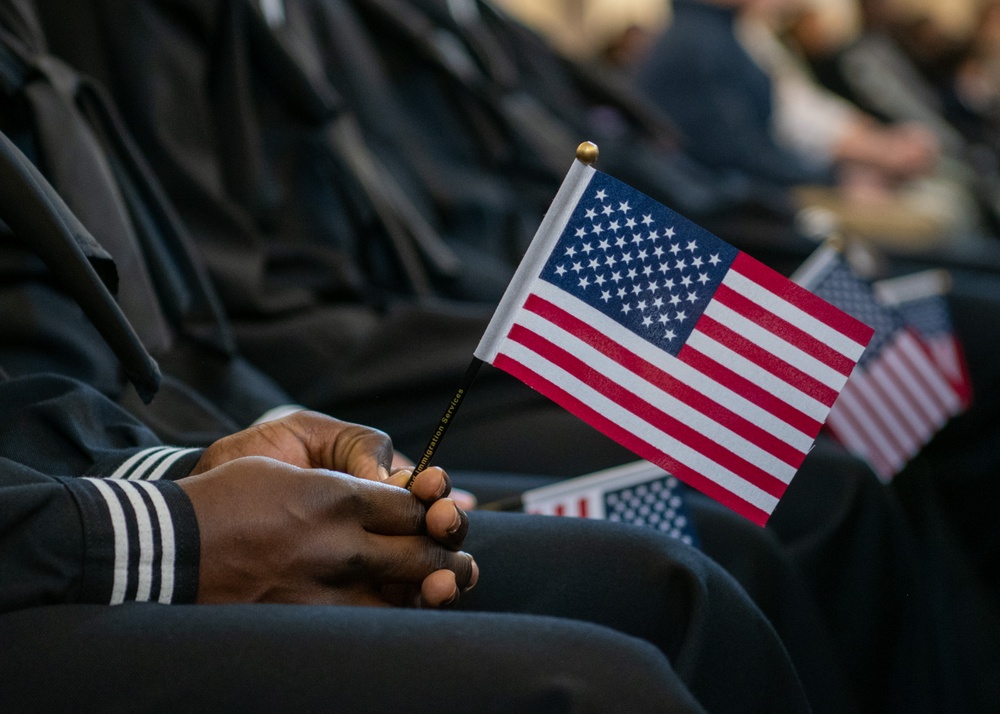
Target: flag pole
[
  {"x": 586, "y": 153},
  {"x": 446, "y": 419}
]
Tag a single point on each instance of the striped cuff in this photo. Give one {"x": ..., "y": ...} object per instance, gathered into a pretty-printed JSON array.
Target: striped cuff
[
  {"x": 152, "y": 464},
  {"x": 141, "y": 541}
]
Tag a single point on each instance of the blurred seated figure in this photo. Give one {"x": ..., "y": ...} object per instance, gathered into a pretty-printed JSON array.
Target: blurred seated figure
[
  {"x": 743, "y": 100},
  {"x": 900, "y": 66},
  {"x": 703, "y": 78},
  {"x": 975, "y": 87},
  {"x": 359, "y": 178}
]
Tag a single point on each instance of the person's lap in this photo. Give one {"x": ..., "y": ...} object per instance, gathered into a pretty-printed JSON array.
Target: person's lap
[{"x": 568, "y": 616}]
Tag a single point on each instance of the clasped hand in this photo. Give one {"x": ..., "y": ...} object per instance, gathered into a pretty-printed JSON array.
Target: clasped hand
[{"x": 305, "y": 510}]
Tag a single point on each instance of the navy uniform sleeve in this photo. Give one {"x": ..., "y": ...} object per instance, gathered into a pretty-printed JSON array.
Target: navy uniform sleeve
[{"x": 88, "y": 508}]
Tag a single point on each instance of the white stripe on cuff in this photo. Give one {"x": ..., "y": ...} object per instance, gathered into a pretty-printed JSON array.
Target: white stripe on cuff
[
  {"x": 158, "y": 458},
  {"x": 167, "y": 540},
  {"x": 169, "y": 461},
  {"x": 120, "y": 532},
  {"x": 146, "y": 547}
]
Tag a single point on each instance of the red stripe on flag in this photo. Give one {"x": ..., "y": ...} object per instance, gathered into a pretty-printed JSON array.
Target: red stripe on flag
[
  {"x": 948, "y": 354},
  {"x": 749, "y": 390},
  {"x": 644, "y": 410},
  {"x": 784, "y": 329},
  {"x": 880, "y": 456},
  {"x": 856, "y": 438},
  {"x": 888, "y": 446},
  {"x": 921, "y": 354},
  {"x": 560, "y": 510},
  {"x": 910, "y": 386},
  {"x": 803, "y": 299},
  {"x": 739, "y": 344},
  {"x": 671, "y": 385},
  {"x": 582, "y": 507},
  {"x": 630, "y": 441},
  {"x": 905, "y": 439}
]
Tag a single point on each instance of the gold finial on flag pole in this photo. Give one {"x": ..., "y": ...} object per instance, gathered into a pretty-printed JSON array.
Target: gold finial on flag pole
[{"x": 587, "y": 153}]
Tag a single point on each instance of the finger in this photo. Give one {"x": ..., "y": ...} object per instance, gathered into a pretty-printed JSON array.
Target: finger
[
  {"x": 447, "y": 523},
  {"x": 364, "y": 452},
  {"x": 410, "y": 559},
  {"x": 430, "y": 484},
  {"x": 465, "y": 500},
  {"x": 400, "y": 477},
  {"x": 401, "y": 461},
  {"x": 383, "y": 508},
  {"x": 439, "y": 589},
  {"x": 336, "y": 445}
]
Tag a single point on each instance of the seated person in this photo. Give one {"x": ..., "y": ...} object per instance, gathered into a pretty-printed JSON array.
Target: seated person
[{"x": 96, "y": 511}]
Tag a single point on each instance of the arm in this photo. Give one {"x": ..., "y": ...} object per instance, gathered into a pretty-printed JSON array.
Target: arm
[
  {"x": 69, "y": 532},
  {"x": 266, "y": 530}
]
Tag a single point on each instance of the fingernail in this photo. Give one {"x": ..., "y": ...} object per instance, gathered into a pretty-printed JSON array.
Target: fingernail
[
  {"x": 475, "y": 575},
  {"x": 383, "y": 473},
  {"x": 456, "y": 523},
  {"x": 452, "y": 600}
]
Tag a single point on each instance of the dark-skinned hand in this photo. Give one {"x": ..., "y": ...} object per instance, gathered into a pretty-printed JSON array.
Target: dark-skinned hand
[
  {"x": 312, "y": 440},
  {"x": 273, "y": 532},
  {"x": 309, "y": 440}
]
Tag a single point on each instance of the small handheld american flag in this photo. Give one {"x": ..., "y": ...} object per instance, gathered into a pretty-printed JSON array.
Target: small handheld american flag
[
  {"x": 672, "y": 342},
  {"x": 920, "y": 299},
  {"x": 898, "y": 396},
  {"x": 640, "y": 494}
]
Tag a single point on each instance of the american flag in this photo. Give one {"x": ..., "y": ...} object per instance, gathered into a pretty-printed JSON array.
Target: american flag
[
  {"x": 920, "y": 299},
  {"x": 640, "y": 494},
  {"x": 665, "y": 338},
  {"x": 897, "y": 397}
]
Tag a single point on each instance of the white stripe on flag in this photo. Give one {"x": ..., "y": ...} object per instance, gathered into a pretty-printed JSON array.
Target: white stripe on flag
[
  {"x": 640, "y": 428},
  {"x": 657, "y": 397},
  {"x": 853, "y": 437},
  {"x": 878, "y": 383},
  {"x": 898, "y": 385},
  {"x": 683, "y": 372},
  {"x": 553, "y": 223},
  {"x": 946, "y": 356},
  {"x": 930, "y": 409},
  {"x": 853, "y": 406},
  {"x": 739, "y": 364},
  {"x": 795, "y": 315},
  {"x": 770, "y": 342},
  {"x": 933, "y": 378}
]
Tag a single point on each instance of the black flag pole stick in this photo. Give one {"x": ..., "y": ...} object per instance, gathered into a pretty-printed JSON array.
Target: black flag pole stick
[{"x": 446, "y": 419}]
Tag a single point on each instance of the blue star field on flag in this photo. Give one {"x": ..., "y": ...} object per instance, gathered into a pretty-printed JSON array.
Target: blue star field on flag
[
  {"x": 855, "y": 296},
  {"x": 928, "y": 315},
  {"x": 638, "y": 262},
  {"x": 658, "y": 504}
]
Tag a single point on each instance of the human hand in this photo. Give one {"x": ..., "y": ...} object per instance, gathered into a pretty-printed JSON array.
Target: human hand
[
  {"x": 309, "y": 440},
  {"x": 909, "y": 150},
  {"x": 466, "y": 501},
  {"x": 272, "y": 532}
]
